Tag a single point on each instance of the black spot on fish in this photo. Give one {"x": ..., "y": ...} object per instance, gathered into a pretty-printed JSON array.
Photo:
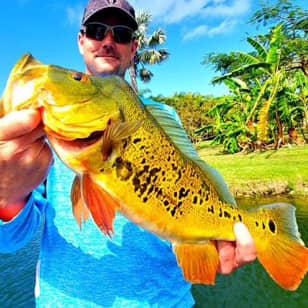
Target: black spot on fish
[
  {"x": 272, "y": 226},
  {"x": 136, "y": 140},
  {"x": 239, "y": 217},
  {"x": 142, "y": 189},
  {"x": 151, "y": 190},
  {"x": 195, "y": 200},
  {"x": 211, "y": 209},
  {"x": 166, "y": 203},
  {"x": 179, "y": 176},
  {"x": 263, "y": 226},
  {"x": 173, "y": 211},
  {"x": 175, "y": 194},
  {"x": 160, "y": 192},
  {"x": 163, "y": 172},
  {"x": 125, "y": 143},
  {"x": 220, "y": 212},
  {"x": 143, "y": 161},
  {"x": 124, "y": 169},
  {"x": 168, "y": 158},
  {"x": 145, "y": 199},
  {"x": 183, "y": 193},
  {"x": 136, "y": 183},
  {"x": 226, "y": 214},
  {"x": 142, "y": 147},
  {"x": 257, "y": 224},
  {"x": 201, "y": 201},
  {"x": 174, "y": 167},
  {"x": 154, "y": 171},
  {"x": 144, "y": 170},
  {"x": 234, "y": 218}
]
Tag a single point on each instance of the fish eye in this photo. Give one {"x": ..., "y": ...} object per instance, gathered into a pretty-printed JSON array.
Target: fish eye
[{"x": 79, "y": 77}]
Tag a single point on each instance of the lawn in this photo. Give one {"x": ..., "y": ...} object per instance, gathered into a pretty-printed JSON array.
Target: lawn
[{"x": 268, "y": 172}]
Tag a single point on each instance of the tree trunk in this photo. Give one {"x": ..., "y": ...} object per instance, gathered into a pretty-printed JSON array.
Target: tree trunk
[
  {"x": 279, "y": 127},
  {"x": 304, "y": 64},
  {"x": 132, "y": 75}
]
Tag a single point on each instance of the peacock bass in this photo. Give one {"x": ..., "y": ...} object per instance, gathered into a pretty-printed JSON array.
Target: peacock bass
[{"x": 136, "y": 159}]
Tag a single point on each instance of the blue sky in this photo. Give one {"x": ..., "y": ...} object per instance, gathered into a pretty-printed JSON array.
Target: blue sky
[{"x": 48, "y": 29}]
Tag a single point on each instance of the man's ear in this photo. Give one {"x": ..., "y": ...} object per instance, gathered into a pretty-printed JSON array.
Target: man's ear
[
  {"x": 134, "y": 49},
  {"x": 80, "y": 40}
]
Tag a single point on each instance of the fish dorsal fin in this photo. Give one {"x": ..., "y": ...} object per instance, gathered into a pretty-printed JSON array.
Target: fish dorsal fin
[{"x": 169, "y": 121}]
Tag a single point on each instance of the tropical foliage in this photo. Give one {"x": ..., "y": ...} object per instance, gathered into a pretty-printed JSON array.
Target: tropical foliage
[
  {"x": 192, "y": 109},
  {"x": 268, "y": 102}
]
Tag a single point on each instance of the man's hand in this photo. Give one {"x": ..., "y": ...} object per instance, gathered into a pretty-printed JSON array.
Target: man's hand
[
  {"x": 234, "y": 254},
  {"x": 24, "y": 159}
]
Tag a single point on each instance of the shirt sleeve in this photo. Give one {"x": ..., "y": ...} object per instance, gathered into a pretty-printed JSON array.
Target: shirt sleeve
[{"x": 19, "y": 231}]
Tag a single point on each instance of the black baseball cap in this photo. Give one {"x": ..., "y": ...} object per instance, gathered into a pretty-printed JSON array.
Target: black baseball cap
[{"x": 121, "y": 7}]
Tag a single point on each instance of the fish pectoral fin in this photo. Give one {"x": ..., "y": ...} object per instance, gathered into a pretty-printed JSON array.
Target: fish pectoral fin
[
  {"x": 123, "y": 130},
  {"x": 80, "y": 211},
  {"x": 101, "y": 205},
  {"x": 115, "y": 132},
  {"x": 199, "y": 263}
]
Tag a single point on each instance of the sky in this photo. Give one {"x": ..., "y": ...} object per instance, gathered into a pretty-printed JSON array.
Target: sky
[{"x": 48, "y": 29}]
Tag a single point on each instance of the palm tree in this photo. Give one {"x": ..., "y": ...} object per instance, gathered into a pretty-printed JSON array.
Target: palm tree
[{"x": 148, "y": 53}]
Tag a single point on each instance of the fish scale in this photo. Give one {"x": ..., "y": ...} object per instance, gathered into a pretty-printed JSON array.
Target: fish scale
[{"x": 135, "y": 158}]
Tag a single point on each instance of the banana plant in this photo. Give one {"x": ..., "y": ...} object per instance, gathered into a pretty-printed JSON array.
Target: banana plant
[{"x": 263, "y": 65}]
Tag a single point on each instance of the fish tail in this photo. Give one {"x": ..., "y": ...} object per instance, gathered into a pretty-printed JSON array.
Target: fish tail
[{"x": 280, "y": 248}]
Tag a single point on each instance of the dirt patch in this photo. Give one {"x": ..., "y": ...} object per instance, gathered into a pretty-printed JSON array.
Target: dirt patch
[{"x": 262, "y": 189}]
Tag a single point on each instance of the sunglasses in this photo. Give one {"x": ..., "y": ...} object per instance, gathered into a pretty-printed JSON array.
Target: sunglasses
[{"x": 98, "y": 31}]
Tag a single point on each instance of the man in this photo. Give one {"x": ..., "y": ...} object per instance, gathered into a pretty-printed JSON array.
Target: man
[{"x": 84, "y": 268}]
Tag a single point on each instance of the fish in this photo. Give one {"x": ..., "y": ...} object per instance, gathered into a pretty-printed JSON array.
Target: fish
[{"x": 137, "y": 159}]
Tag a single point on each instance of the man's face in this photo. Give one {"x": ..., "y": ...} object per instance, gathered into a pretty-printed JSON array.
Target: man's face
[{"x": 106, "y": 56}]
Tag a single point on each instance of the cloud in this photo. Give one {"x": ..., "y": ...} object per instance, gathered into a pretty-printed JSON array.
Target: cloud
[
  {"x": 174, "y": 11},
  {"x": 221, "y": 9},
  {"x": 74, "y": 14},
  {"x": 204, "y": 30}
]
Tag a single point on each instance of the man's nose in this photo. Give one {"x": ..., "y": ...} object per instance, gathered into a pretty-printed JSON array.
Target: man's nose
[{"x": 108, "y": 37}]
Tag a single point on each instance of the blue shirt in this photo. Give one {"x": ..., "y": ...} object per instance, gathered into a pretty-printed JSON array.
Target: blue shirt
[{"x": 84, "y": 268}]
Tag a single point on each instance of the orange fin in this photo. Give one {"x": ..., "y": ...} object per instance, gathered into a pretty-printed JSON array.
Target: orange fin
[
  {"x": 286, "y": 263},
  {"x": 280, "y": 248},
  {"x": 99, "y": 202},
  {"x": 199, "y": 263},
  {"x": 80, "y": 211}
]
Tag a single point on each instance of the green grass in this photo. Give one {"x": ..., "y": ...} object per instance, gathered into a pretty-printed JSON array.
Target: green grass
[{"x": 287, "y": 167}]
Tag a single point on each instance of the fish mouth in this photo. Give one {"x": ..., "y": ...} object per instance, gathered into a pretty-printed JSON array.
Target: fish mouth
[{"x": 78, "y": 144}]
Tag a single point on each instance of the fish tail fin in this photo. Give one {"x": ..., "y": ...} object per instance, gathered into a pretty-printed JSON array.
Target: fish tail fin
[{"x": 280, "y": 248}]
